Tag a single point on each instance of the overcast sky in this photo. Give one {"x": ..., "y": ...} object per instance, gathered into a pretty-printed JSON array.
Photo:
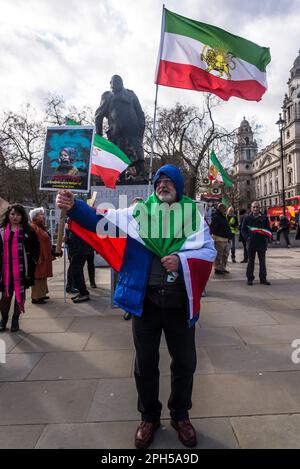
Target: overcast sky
[{"x": 73, "y": 47}]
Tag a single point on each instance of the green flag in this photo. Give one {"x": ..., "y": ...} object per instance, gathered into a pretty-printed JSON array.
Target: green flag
[
  {"x": 226, "y": 202},
  {"x": 226, "y": 179}
]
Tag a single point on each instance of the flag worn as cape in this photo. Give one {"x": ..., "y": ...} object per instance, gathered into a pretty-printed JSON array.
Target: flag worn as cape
[
  {"x": 226, "y": 179},
  {"x": 202, "y": 57},
  {"x": 191, "y": 245}
]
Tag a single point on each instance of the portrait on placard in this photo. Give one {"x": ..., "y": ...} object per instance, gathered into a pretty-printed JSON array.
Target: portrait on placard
[{"x": 67, "y": 157}]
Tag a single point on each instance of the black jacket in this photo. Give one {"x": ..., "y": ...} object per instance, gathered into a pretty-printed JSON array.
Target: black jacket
[
  {"x": 76, "y": 245},
  {"x": 257, "y": 241},
  {"x": 284, "y": 223},
  {"x": 32, "y": 249},
  {"x": 219, "y": 225}
]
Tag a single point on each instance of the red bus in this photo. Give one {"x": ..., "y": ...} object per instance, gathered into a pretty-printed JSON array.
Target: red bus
[{"x": 292, "y": 209}]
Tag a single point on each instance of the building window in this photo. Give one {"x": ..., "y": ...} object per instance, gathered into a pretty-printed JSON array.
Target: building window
[
  {"x": 248, "y": 182},
  {"x": 247, "y": 166},
  {"x": 248, "y": 154},
  {"x": 289, "y": 158},
  {"x": 290, "y": 178},
  {"x": 276, "y": 185},
  {"x": 276, "y": 201},
  {"x": 288, "y": 134},
  {"x": 271, "y": 187}
]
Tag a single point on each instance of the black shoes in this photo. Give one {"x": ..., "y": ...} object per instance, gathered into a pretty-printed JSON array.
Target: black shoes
[
  {"x": 233, "y": 261},
  {"x": 93, "y": 285},
  {"x": 38, "y": 301},
  {"x": 81, "y": 298},
  {"x": 250, "y": 282},
  {"x": 72, "y": 290},
  {"x": 244, "y": 261},
  {"x": 219, "y": 272},
  {"x": 14, "y": 325},
  {"x": 127, "y": 316},
  {"x": 265, "y": 282}
]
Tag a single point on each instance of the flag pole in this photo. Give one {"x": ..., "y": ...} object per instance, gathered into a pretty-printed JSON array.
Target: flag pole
[
  {"x": 155, "y": 102},
  {"x": 152, "y": 141}
]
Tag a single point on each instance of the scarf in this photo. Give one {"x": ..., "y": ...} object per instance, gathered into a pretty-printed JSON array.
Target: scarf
[
  {"x": 164, "y": 228},
  {"x": 17, "y": 265}
]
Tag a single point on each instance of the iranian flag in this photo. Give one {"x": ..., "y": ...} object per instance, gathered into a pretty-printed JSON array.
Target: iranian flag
[
  {"x": 108, "y": 161},
  {"x": 202, "y": 57},
  {"x": 192, "y": 244},
  {"x": 262, "y": 231}
]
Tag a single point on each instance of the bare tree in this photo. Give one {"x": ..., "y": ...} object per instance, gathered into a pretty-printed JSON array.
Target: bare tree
[
  {"x": 184, "y": 136},
  {"x": 22, "y": 140},
  {"x": 57, "y": 111}
]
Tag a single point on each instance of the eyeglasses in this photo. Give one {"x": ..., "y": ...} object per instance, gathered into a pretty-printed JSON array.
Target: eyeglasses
[{"x": 165, "y": 181}]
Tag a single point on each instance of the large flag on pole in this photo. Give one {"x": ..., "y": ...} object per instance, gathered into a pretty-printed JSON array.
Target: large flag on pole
[
  {"x": 202, "y": 57},
  {"x": 108, "y": 161},
  {"x": 220, "y": 170}
]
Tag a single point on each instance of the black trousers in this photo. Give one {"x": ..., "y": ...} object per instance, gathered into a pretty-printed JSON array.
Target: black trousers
[
  {"x": 91, "y": 267},
  {"x": 245, "y": 250},
  {"x": 285, "y": 234},
  {"x": 5, "y": 307},
  {"x": 77, "y": 265},
  {"x": 91, "y": 271},
  {"x": 262, "y": 265},
  {"x": 180, "y": 340}
]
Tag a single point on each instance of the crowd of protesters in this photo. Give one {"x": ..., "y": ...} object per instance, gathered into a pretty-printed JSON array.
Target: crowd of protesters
[{"x": 26, "y": 253}]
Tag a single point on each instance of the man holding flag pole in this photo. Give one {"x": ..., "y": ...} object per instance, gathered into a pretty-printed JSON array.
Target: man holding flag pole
[{"x": 164, "y": 253}]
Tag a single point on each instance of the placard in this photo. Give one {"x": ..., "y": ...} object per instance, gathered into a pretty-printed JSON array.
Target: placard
[{"x": 67, "y": 158}]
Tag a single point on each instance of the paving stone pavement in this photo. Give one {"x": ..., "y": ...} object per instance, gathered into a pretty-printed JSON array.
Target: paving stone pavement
[{"x": 68, "y": 377}]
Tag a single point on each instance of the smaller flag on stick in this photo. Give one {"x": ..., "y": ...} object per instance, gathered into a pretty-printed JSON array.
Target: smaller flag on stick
[
  {"x": 108, "y": 161},
  {"x": 226, "y": 179},
  {"x": 262, "y": 231}
]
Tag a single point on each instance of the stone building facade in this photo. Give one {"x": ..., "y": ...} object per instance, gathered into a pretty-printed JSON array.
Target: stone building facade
[{"x": 263, "y": 169}]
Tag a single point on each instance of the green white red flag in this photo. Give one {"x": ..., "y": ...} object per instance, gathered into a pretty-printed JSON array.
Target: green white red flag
[
  {"x": 108, "y": 161},
  {"x": 217, "y": 171},
  {"x": 203, "y": 57},
  {"x": 262, "y": 231}
]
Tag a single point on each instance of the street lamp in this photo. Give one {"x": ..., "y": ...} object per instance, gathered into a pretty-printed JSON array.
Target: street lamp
[{"x": 280, "y": 124}]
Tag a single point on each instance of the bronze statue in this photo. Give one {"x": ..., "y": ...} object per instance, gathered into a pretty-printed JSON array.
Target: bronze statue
[{"x": 126, "y": 123}]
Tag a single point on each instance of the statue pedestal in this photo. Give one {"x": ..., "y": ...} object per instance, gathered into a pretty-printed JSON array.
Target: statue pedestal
[{"x": 121, "y": 196}]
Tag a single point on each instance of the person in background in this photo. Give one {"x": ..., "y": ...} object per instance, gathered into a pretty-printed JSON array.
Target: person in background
[
  {"x": 221, "y": 234},
  {"x": 255, "y": 230},
  {"x": 43, "y": 269},
  {"x": 233, "y": 223},
  {"x": 242, "y": 214},
  {"x": 284, "y": 228},
  {"x": 19, "y": 254},
  {"x": 78, "y": 250}
]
